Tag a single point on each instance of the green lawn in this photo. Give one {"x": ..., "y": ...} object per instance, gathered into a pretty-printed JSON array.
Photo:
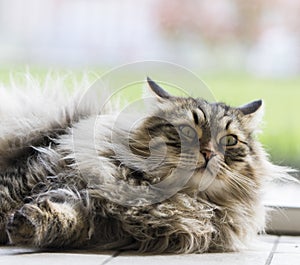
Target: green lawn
[{"x": 281, "y": 129}]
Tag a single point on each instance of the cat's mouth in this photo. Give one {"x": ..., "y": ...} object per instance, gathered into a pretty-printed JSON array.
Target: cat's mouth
[
  {"x": 204, "y": 175},
  {"x": 200, "y": 169},
  {"x": 203, "y": 166},
  {"x": 205, "y": 170},
  {"x": 206, "y": 163},
  {"x": 211, "y": 166}
]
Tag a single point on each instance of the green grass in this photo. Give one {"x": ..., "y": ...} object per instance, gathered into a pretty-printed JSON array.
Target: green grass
[{"x": 281, "y": 128}]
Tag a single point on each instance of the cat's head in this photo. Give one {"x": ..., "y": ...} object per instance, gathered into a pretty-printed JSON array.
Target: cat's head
[{"x": 213, "y": 143}]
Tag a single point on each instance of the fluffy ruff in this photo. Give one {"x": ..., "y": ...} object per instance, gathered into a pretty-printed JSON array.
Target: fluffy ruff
[{"x": 56, "y": 193}]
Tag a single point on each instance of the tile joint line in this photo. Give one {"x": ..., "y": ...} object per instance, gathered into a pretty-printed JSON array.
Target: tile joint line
[
  {"x": 270, "y": 257},
  {"x": 117, "y": 253}
]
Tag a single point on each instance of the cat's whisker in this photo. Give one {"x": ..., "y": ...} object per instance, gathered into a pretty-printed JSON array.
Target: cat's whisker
[{"x": 238, "y": 182}]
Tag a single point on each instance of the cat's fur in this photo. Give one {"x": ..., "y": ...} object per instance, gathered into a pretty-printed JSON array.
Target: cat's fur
[{"x": 58, "y": 194}]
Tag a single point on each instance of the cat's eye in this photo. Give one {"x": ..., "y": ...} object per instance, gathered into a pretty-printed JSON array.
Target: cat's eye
[
  {"x": 229, "y": 140},
  {"x": 188, "y": 132}
]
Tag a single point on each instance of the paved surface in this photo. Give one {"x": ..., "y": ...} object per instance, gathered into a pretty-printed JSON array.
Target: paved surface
[{"x": 268, "y": 250}]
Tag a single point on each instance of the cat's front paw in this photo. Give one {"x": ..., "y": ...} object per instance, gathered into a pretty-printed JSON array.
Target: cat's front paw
[{"x": 23, "y": 225}]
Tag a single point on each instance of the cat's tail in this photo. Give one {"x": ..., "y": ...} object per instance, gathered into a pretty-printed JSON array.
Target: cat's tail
[{"x": 34, "y": 113}]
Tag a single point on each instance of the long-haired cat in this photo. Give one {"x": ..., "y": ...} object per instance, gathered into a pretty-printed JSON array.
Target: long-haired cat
[{"x": 187, "y": 178}]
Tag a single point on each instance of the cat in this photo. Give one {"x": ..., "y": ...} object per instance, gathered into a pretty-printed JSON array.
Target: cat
[{"x": 187, "y": 178}]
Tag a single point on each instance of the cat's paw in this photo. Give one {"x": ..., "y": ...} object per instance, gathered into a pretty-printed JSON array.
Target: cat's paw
[{"x": 23, "y": 225}]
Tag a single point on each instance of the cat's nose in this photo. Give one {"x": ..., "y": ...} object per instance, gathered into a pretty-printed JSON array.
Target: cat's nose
[
  {"x": 208, "y": 154},
  {"x": 207, "y": 150}
]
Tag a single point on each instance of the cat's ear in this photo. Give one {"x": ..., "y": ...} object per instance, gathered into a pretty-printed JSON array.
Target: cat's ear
[
  {"x": 253, "y": 113},
  {"x": 251, "y": 107},
  {"x": 159, "y": 91}
]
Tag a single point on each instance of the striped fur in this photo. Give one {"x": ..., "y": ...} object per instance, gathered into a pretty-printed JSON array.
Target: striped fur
[{"x": 71, "y": 176}]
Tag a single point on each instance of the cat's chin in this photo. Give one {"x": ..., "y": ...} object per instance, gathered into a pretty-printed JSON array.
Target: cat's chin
[{"x": 205, "y": 179}]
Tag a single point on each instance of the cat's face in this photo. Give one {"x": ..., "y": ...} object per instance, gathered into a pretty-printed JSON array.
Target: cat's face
[{"x": 213, "y": 142}]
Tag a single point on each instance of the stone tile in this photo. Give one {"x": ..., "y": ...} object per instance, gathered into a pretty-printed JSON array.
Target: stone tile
[
  {"x": 289, "y": 239},
  {"x": 263, "y": 243},
  {"x": 285, "y": 259},
  {"x": 257, "y": 254},
  {"x": 288, "y": 248},
  {"x": 15, "y": 250},
  {"x": 253, "y": 258},
  {"x": 288, "y": 244},
  {"x": 53, "y": 259},
  {"x": 268, "y": 238}
]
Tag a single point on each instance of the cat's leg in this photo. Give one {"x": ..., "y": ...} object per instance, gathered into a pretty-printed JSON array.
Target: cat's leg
[
  {"x": 179, "y": 225},
  {"x": 8, "y": 203},
  {"x": 49, "y": 223}
]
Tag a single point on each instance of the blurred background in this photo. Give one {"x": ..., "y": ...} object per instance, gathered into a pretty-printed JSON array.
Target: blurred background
[{"x": 243, "y": 50}]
